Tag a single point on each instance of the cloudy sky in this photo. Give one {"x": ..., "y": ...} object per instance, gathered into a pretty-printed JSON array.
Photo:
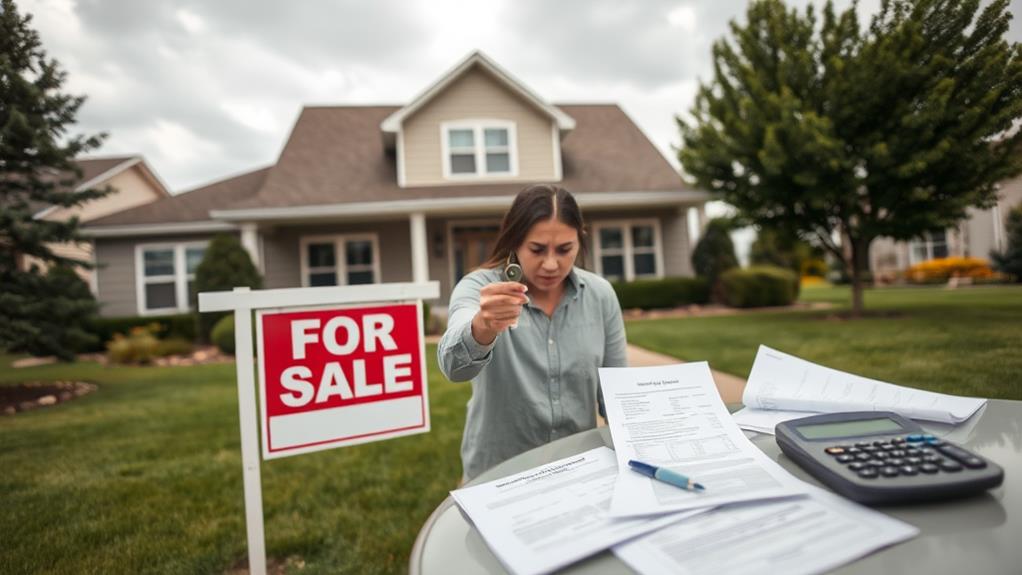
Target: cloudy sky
[{"x": 207, "y": 89}]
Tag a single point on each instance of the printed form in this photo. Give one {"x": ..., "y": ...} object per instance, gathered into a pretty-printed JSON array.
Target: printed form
[
  {"x": 672, "y": 416},
  {"x": 553, "y": 515},
  {"x": 793, "y": 536}
]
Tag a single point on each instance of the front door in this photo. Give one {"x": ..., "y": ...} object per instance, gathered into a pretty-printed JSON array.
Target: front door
[{"x": 472, "y": 245}]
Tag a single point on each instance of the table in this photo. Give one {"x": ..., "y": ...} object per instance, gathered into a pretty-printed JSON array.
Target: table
[{"x": 975, "y": 536}]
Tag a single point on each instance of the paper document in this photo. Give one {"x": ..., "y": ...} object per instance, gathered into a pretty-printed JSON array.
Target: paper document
[
  {"x": 553, "y": 515},
  {"x": 794, "y": 536},
  {"x": 672, "y": 416},
  {"x": 784, "y": 382}
]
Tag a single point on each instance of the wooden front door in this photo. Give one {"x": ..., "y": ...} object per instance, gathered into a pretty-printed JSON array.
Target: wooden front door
[{"x": 472, "y": 245}]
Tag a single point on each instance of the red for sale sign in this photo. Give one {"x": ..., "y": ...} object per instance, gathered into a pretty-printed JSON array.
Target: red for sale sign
[{"x": 340, "y": 376}]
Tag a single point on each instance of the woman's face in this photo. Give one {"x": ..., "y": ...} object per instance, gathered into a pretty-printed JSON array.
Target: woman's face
[{"x": 548, "y": 254}]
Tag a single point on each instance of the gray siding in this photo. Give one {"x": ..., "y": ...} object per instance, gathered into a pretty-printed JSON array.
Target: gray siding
[{"x": 115, "y": 272}]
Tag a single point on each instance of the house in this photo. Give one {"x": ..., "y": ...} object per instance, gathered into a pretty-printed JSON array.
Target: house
[
  {"x": 134, "y": 183},
  {"x": 371, "y": 194},
  {"x": 982, "y": 232}
]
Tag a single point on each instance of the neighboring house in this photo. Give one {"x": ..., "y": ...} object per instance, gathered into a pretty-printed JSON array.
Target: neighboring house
[
  {"x": 134, "y": 183},
  {"x": 982, "y": 232},
  {"x": 371, "y": 194}
]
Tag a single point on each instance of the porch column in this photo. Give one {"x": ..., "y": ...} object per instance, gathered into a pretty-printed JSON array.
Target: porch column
[
  {"x": 420, "y": 257},
  {"x": 250, "y": 241}
]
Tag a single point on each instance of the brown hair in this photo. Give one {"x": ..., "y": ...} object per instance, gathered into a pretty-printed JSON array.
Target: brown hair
[{"x": 536, "y": 203}]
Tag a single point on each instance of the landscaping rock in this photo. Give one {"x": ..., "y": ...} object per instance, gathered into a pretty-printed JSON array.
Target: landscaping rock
[{"x": 47, "y": 400}]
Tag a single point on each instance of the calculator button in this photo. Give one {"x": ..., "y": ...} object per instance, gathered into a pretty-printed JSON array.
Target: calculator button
[
  {"x": 853, "y": 450},
  {"x": 908, "y": 470},
  {"x": 868, "y": 473},
  {"x": 889, "y": 471},
  {"x": 914, "y": 460},
  {"x": 856, "y": 466},
  {"x": 889, "y": 447},
  {"x": 931, "y": 458},
  {"x": 949, "y": 466},
  {"x": 880, "y": 444},
  {"x": 881, "y": 455},
  {"x": 898, "y": 453},
  {"x": 914, "y": 438},
  {"x": 845, "y": 458},
  {"x": 974, "y": 463},
  {"x": 875, "y": 463},
  {"x": 898, "y": 440},
  {"x": 928, "y": 468},
  {"x": 835, "y": 450},
  {"x": 934, "y": 442},
  {"x": 896, "y": 461},
  {"x": 913, "y": 451},
  {"x": 862, "y": 444},
  {"x": 863, "y": 456},
  {"x": 871, "y": 449},
  {"x": 928, "y": 437}
]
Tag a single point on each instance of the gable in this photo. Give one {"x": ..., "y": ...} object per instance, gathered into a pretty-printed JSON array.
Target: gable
[
  {"x": 132, "y": 187},
  {"x": 476, "y": 97}
]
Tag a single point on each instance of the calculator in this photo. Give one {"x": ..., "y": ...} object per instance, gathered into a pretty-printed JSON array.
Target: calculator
[{"x": 880, "y": 458}]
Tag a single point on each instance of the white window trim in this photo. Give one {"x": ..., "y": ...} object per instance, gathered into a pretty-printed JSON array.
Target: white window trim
[
  {"x": 180, "y": 277},
  {"x": 340, "y": 255},
  {"x": 627, "y": 250},
  {"x": 926, "y": 241},
  {"x": 478, "y": 126}
]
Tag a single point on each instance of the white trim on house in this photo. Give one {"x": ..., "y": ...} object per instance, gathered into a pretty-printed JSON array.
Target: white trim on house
[
  {"x": 555, "y": 143},
  {"x": 340, "y": 267},
  {"x": 627, "y": 250},
  {"x": 479, "y": 127},
  {"x": 392, "y": 123},
  {"x": 157, "y": 229},
  {"x": 454, "y": 206},
  {"x": 400, "y": 155},
  {"x": 180, "y": 277}
]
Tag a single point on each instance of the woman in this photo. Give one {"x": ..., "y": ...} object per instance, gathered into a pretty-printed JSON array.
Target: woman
[{"x": 531, "y": 348}]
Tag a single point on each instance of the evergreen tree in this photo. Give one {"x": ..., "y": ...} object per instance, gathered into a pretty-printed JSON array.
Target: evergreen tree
[
  {"x": 714, "y": 254},
  {"x": 37, "y": 170},
  {"x": 824, "y": 128},
  {"x": 225, "y": 266},
  {"x": 1010, "y": 261}
]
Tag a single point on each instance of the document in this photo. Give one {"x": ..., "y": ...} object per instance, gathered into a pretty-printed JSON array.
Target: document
[
  {"x": 672, "y": 416},
  {"x": 794, "y": 536},
  {"x": 784, "y": 382},
  {"x": 553, "y": 515}
]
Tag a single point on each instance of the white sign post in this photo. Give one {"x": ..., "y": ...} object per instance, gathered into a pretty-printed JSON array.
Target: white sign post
[{"x": 329, "y": 376}]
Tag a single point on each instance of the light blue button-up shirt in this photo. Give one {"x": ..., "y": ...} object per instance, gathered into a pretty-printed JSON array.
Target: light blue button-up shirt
[{"x": 537, "y": 382}]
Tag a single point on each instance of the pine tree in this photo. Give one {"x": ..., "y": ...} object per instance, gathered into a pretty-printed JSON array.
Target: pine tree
[
  {"x": 39, "y": 312},
  {"x": 827, "y": 129},
  {"x": 714, "y": 254}
]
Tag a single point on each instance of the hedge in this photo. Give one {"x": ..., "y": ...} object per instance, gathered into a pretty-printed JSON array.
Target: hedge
[
  {"x": 180, "y": 326},
  {"x": 662, "y": 293},
  {"x": 222, "y": 334},
  {"x": 759, "y": 286}
]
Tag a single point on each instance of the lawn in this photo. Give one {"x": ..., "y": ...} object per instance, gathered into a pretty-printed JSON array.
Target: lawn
[
  {"x": 966, "y": 341},
  {"x": 144, "y": 475}
]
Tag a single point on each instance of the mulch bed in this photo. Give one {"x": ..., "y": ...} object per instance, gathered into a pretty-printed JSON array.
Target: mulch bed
[{"x": 36, "y": 394}]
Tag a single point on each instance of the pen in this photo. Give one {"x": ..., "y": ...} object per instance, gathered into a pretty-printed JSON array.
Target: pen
[{"x": 665, "y": 475}]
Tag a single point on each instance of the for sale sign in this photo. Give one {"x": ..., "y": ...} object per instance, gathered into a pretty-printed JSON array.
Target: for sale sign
[{"x": 340, "y": 376}]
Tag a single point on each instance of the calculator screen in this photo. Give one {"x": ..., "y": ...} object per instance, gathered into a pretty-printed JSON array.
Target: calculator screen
[{"x": 849, "y": 428}]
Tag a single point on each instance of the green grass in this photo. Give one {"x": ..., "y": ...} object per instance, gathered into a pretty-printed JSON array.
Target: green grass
[
  {"x": 144, "y": 475},
  {"x": 964, "y": 341}
]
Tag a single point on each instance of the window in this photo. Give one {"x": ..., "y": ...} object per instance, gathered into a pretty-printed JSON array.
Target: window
[
  {"x": 628, "y": 250},
  {"x": 340, "y": 260},
  {"x": 165, "y": 276},
  {"x": 931, "y": 245},
  {"x": 483, "y": 148}
]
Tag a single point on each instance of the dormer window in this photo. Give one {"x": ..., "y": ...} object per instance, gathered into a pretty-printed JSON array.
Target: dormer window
[{"x": 479, "y": 149}]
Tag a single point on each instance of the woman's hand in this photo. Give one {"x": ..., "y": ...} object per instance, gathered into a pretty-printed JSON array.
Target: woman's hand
[{"x": 500, "y": 304}]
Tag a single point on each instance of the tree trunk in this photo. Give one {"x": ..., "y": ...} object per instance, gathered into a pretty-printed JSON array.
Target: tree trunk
[{"x": 859, "y": 263}]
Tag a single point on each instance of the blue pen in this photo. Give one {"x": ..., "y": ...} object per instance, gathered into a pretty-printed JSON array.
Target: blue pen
[{"x": 665, "y": 475}]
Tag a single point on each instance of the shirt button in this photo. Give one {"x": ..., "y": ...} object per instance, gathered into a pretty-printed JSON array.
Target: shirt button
[{"x": 550, "y": 341}]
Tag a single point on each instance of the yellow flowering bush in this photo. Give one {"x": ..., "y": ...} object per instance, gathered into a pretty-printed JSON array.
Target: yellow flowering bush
[{"x": 945, "y": 268}]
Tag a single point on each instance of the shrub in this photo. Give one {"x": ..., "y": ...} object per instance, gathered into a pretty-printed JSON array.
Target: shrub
[
  {"x": 173, "y": 346},
  {"x": 714, "y": 254},
  {"x": 222, "y": 335},
  {"x": 181, "y": 326},
  {"x": 1010, "y": 261},
  {"x": 225, "y": 266},
  {"x": 138, "y": 346},
  {"x": 759, "y": 286},
  {"x": 45, "y": 313},
  {"x": 662, "y": 293},
  {"x": 940, "y": 270}
]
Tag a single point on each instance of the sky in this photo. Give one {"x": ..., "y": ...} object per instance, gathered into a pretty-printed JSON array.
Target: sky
[{"x": 208, "y": 89}]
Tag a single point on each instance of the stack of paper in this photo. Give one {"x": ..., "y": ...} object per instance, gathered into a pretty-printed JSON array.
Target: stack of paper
[
  {"x": 754, "y": 516},
  {"x": 783, "y": 387}
]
